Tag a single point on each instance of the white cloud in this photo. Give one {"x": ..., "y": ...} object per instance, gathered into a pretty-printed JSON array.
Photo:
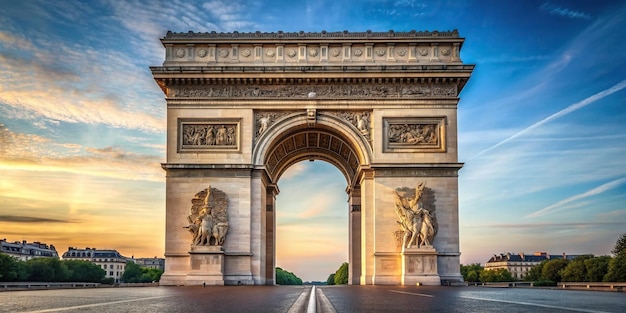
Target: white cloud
[{"x": 565, "y": 12}]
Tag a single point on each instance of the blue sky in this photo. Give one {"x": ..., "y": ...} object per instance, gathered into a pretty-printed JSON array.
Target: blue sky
[{"x": 541, "y": 122}]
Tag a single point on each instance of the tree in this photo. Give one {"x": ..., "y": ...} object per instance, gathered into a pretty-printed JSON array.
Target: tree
[
  {"x": 551, "y": 270},
  {"x": 341, "y": 275},
  {"x": 284, "y": 277},
  {"x": 497, "y": 275},
  {"x": 471, "y": 272},
  {"x": 620, "y": 245},
  {"x": 47, "y": 270},
  {"x": 132, "y": 273},
  {"x": 617, "y": 268},
  {"x": 534, "y": 274},
  {"x": 597, "y": 268},
  {"x": 331, "y": 279},
  {"x": 84, "y": 271},
  {"x": 12, "y": 269},
  {"x": 576, "y": 270}
]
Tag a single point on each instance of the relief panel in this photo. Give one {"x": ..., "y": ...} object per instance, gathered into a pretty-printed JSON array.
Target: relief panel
[
  {"x": 209, "y": 135},
  {"x": 414, "y": 134}
]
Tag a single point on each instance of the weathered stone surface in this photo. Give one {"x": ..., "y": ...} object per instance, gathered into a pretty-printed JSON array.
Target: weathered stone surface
[{"x": 243, "y": 107}]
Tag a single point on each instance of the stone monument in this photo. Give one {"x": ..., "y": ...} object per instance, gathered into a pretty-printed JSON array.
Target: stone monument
[
  {"x": 208, "y": 224},
  {"x": 418, "y": 230},
  {"x": 244, "y": 107}
]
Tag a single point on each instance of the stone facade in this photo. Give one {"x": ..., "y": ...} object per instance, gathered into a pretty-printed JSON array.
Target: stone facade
[
  {"x": 111, "y": 261},
  {"x": 380, "y": 106}
]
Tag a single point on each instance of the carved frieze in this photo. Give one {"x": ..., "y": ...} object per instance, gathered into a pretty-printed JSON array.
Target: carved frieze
[
  {"x": 419, "y": 134},
  {"x": 327, "y": 91},
  {"x": 203, "y": 135}
]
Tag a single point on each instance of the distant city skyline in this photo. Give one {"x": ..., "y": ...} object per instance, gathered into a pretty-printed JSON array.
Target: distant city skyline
[{"x": 541, "y": 123}]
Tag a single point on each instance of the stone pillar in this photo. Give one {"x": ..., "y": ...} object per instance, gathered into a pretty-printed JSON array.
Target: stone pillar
[
  {"x": 354, "y": 258},
  {"x": 367, "y": 229},
  {"x": 257, "y": 229},
  {"x": 270, "y": 235}
]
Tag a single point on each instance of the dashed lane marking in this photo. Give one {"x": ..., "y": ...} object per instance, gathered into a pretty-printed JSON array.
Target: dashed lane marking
[{"x": 412, "y": 293}]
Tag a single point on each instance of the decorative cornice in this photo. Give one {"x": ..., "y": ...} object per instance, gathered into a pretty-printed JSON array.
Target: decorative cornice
[{"x": 312, "y": 35}]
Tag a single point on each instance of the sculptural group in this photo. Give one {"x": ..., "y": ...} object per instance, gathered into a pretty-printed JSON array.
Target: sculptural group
[
  {"x": 208, "y": 221},
  {"x": 418, "y": 225}
]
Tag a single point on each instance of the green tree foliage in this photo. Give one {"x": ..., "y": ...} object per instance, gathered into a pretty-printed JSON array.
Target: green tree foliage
[
  {"x": 284, "y": 277},
  {"x": 551, "y": 270},
  {"x": 497, "y": 275},
  {"x": 134, "y": 273},
  {"x": 620, "y": 245},
  {"x": 341, "y": 275},
  {"x": 534, "y": 274},
  {"x": 331, "y": 279},
  {"x": 47, "y": 270},
  {"x": 471, "y": 272},
  {"x": 12, "y": 269},
  {"x": 84, "y": 271},
  {"x": 597, "y": 268},
  {"x": 617, "y": 268},
  {"x": 576, "y": 270}
]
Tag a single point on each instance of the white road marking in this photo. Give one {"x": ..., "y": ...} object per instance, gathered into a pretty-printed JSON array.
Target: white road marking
[
  {"x": 412, "y": 293},
  {"x": 92, "y": 305},
  {"x": 312, "y": 302},
  {"x": 298, "y": 305},
  {"x": 534, "y": 304}
]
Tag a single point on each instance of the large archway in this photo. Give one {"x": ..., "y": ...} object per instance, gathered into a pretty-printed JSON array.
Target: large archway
[
  {"x": 243, "y": 107},
  {"x": 293, "y": 137}
]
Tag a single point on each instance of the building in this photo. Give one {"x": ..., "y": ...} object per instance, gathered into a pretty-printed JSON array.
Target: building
[
  {"x": 28, "y": 250},
  {"x": 520, "y": 264},
  {"x": 109, "y": 260},
  {"x": 158, "y": 263}
]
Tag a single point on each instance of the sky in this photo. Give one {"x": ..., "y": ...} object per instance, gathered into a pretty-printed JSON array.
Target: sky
[{"x": 542, "y": 129}]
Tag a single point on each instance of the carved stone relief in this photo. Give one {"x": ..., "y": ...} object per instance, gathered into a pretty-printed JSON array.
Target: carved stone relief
[
  {"x": 263, "y": 120},
  {"x": 198, "y": 135},
  {"x": 208, "y": 218},
  {"x": 321, "y": 91},
  {"x": 414, "y": 134},
  {"x": 361, "y": 120},
  {"x": 415, "y": 209}
]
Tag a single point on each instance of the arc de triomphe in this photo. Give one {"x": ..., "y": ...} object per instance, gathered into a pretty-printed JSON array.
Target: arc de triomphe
[{"x": 243, "y": 107}]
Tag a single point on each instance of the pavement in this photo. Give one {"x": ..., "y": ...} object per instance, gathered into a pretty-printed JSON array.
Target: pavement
[{"x": 308, "y": 299}]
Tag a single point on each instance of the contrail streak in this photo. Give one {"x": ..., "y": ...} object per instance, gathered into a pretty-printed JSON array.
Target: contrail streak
[
  {"x": 598, "y": 190},
  {"x": 576, "y": 106}
]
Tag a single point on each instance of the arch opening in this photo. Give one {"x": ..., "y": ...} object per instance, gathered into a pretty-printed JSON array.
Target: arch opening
[{"x": 311, "y": 220}]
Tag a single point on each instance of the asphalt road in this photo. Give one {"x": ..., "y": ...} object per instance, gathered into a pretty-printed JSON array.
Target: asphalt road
[{"x": 295, "y": 299}]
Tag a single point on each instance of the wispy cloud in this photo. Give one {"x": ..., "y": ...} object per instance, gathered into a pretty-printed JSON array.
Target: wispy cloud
[
  {"x": 571, "y": 108},
  {"x": 31, "y": 219},
  {"x": 595, "y": 191},
  {"x": 30, "y": 152},
  {"x": 564, "y": 12},
  {"x": 41, "y": 85}
]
